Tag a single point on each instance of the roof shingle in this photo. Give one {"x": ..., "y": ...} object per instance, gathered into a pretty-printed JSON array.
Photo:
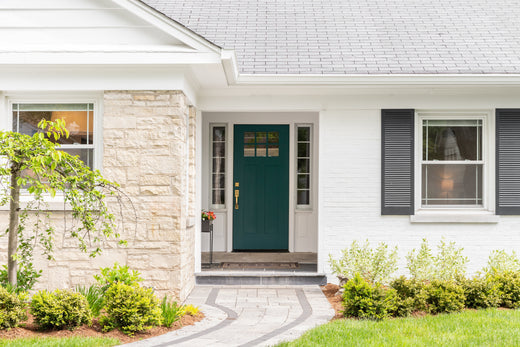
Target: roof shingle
[{"x": 358, "y": 36}]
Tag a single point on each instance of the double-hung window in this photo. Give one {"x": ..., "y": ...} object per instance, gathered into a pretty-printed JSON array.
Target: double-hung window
[
  {"x": 79, "y": 121},
  {"x": 452, "y": 163}
]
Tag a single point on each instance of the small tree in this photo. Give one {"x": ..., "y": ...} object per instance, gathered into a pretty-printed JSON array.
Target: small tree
[{"x": 34, "y": 163}]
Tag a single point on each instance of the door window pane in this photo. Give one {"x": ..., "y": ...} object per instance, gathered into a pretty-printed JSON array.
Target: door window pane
[
  {"x": 260, "y": 151},
  {"x": 274, "y": 151}
]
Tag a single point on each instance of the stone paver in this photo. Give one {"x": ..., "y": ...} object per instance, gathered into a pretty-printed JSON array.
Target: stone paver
[{"x": 246, "y": 316}]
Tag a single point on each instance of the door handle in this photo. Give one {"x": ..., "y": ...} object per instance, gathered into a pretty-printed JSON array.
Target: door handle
[{"x": 236, "y": 199}]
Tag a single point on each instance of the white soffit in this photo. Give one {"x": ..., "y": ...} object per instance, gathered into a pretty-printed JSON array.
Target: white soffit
[{"x": 65, "y": 27}]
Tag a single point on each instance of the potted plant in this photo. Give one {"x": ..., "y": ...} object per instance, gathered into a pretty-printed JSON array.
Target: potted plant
[{"x": 207, "y": 220}]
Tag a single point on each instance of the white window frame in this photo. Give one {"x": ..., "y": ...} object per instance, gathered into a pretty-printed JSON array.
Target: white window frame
[
  {"x": 311, "y": 172},
  {"x": 56, "y": 203},
  {"x": 226, "y": 158},
  {"x": 488, "y": 137}
]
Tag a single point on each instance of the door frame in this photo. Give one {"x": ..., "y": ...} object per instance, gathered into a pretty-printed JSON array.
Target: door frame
[{"x": 229, "y": 119}]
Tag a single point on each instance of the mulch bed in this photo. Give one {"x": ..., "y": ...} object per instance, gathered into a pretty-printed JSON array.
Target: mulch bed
[
  {"x": 331, "y": 292},
  {"x": 30, "y": 329}
]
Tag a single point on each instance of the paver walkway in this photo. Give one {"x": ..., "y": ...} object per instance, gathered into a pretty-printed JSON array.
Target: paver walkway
[{"x": 246, "y": 316}]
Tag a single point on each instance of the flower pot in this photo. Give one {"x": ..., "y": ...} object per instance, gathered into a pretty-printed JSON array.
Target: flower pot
[{"x": 206, "y": 226}]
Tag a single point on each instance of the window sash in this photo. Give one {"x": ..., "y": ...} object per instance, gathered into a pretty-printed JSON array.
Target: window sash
[
  {"x": 466, "y": 120},
  {"x": 304, "y": 172},
  {"x": 218, "y": 177}
]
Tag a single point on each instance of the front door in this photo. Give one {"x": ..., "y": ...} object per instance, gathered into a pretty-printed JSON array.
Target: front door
[{"x": 261, "y": 187}]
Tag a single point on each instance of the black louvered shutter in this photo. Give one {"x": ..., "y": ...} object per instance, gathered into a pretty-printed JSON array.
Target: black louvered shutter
[
  {"x": 397, "y": 161},
  {"x": 508, "y": 161}
]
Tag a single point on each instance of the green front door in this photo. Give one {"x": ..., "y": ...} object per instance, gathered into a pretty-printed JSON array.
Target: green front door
[{"x": 261, "y": 187}]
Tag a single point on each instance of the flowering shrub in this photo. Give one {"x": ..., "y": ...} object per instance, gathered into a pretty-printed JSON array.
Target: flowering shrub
[{"x": 208, "y": 215}]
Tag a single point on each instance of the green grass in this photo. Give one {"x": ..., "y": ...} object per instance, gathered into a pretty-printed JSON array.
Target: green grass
[
  {"x": 490, "y": 327},
  {"x": 59, "y": 342}
]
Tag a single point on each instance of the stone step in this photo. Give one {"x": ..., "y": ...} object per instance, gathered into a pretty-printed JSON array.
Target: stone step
[{"x": 259, "y": 278}]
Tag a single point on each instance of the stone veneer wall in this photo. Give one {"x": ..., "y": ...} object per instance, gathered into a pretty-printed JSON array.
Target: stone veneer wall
[{"x": 149, "y": 149}]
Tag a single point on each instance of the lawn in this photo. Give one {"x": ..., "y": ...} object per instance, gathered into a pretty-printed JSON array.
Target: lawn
[
  {"x": 491, "y": 327},
  {"x": 58, "y": 342}
]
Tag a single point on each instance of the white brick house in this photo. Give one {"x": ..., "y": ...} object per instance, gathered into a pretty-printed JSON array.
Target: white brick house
[{"x": 334, "y": 121}]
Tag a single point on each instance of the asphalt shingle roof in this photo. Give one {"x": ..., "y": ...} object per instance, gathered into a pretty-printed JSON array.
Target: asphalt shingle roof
[{"x": 358, "y": 36}]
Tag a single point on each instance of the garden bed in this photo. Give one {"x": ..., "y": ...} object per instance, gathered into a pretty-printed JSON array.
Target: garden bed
[{"x": 29, "y": 329}]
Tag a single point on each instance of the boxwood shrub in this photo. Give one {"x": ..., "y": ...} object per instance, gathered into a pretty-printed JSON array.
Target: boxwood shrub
[
  {"x": 130, "y": 308},
  {"x": 60, "y": 309},
  {"x": 12, "y": 308}
]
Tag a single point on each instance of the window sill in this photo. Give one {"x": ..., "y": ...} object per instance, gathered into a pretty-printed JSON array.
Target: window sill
[{"x": 454, "y": 216}]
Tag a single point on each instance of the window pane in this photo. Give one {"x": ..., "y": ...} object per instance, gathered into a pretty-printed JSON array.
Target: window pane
[
  {"x": 219, "y": 134},
  {"x": 218, "y": 197},
  {"x": 303, "y": 165},
  {"x": 303, "y": 197},
  {"x": 260, "y": 151},
  {"x": 274, "y": 137},
  {"x": 219, "y": 164},
  {"x": 303, "y": 181},
  {"x": 219, "y": 180},
  {"x": 249, "y": 137},
  {"x": 85, "y": 155},
  {"x": 452, "y": 140},
  {"x": 274, "y": 151},
  {"x": 219, "y": 149},
  {"x": 261, "y": 137},
  {"x": 455, "y": 184},
  {"x": 304, "y": 134},
  {"x": 79, "y": 124},
  {"x": 249, "y": 150},
  {"x": 304, "y": 150}
]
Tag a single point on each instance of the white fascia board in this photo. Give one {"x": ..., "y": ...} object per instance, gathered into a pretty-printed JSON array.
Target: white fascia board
[
  {"x": 168, "y": 25},
  {"x": 109, "y": 58},
  {"x": 390, "y": 79}
]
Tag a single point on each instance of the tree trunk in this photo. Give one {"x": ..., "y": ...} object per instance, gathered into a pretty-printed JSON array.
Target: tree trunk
[{"x": 14, "y": 215}]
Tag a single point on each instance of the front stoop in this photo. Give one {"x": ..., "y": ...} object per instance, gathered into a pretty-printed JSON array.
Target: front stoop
[{"x": 259, "y": 278}]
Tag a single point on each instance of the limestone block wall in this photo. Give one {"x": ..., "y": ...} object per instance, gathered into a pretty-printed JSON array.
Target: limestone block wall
[{"x": 149, "y": 149}]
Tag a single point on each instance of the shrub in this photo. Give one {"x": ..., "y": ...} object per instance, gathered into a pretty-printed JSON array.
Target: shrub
[
  {"x": 94, "y": 296},
  {"x": 365, "y": 300},
  {"x": 130, "y": 308},
  {"x": 115, "y": 274},
  {"x": 481, "y": 292},
  {"x": 12, "y": 308},
  {"x": 375, "y": 266},
  {"x": 407, "y": 291},
  {"x": 508, "y": 287},
  {"x": 60, "y": 309},
  {"x": 441, "y": 297},
  {"x": 500, "y": 262},
  {"x": 448, "y": 264},
  {"x": 171, "y": 312}
]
